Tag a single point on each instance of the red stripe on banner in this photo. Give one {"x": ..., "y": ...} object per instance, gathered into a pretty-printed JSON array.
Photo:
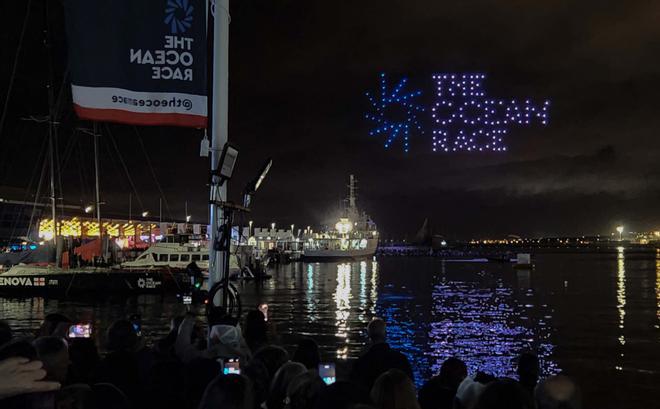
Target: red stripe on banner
[{"x": 139, "y": 118}]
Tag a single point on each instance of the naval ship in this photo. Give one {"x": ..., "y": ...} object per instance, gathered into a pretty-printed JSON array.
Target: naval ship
[{"x": 354, "y": 235}]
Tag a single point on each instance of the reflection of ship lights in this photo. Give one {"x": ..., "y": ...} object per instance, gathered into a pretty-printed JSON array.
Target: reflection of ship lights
[
  {"x": 621, "y": 297},
  {"x": 657, "y": 284},
  {"x": 342, "y": 299},
  {"x": 373, "y": 293}
]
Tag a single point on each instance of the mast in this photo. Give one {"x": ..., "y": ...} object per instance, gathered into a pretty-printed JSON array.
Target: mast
[
  {"x": 51, "y": 134},
  {"x": 219, "y": 128},
  {"x": 96, "y": 175},
  {"x": 351, "y": 192}
]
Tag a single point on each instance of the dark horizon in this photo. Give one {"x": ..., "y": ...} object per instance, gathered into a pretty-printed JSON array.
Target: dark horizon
[{"x": 298, "y": 73}]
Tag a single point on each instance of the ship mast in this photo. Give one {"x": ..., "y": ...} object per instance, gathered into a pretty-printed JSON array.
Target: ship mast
[{"x": 351, "y": 193}]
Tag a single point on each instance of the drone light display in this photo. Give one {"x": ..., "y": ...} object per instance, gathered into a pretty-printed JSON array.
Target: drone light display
[
  {"x": 397, "y": 98},
  {"x": 463, "y": 117}
]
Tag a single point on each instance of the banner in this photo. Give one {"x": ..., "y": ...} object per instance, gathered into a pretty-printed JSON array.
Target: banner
[{"x": 138, "y": 62}]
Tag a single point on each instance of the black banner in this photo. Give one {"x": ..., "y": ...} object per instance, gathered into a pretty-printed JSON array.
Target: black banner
[{"x": 138, "y": 61}]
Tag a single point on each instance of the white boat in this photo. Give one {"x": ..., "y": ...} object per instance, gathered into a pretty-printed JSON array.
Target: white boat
[
  {"x": 355, "y": 235},
  {"x": 176, "y": 255}
]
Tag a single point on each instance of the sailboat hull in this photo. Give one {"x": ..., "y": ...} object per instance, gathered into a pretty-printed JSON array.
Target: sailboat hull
[{"x": 44, "y": 281}]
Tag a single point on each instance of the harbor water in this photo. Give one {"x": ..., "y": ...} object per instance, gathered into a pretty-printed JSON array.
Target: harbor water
[{"x": 595, "y": 317}]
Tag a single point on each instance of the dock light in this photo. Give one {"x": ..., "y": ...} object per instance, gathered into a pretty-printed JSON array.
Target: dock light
[
  {"x": 620, "y": 230},
  {"x": 188, "y": 217},
  {"x": 272, "y": 226},
  {"x": 145, "y": 213},
  {"x": 292, "y": 229},
  {"x": 89, "y": 209}
]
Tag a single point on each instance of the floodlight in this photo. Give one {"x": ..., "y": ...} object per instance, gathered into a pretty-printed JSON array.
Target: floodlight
[
  {"x": 254, "y": 185},
  {"x": 227, "y": 162}
]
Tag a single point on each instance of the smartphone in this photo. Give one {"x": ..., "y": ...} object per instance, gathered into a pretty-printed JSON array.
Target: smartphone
[
  {"x": 264, "y": 309},
  {"x": 136, "y": 320},
  {"x": 231, "y": 366},
  {"x": 80, "y": 331},
  {"x": 327, "y": 373}
]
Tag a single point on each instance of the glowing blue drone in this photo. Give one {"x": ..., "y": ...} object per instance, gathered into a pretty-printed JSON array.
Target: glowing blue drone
[{"x": 394, "y": 126}]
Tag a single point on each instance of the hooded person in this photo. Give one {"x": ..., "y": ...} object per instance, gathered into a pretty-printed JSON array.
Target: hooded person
[{"x": 224, "y": 341}]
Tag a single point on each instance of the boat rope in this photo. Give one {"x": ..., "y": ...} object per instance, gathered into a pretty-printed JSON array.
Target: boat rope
[{"x": 12, "y": 77}]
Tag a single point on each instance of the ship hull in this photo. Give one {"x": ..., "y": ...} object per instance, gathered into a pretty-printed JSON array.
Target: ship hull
[
  {"x": 57, "y": 282},
  {"x": 339, "y": 255}
]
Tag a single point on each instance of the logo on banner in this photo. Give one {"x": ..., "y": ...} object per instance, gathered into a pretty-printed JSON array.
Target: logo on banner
[
  {"x": 148, "y": 282},
  {"x": 178, "y": 15}
]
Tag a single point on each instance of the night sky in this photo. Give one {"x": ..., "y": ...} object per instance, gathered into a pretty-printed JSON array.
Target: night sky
[{"x": 298, "y": 73}]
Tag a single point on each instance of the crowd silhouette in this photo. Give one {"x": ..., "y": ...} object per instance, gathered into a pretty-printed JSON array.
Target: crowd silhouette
[{"x": 231, "y": 366}]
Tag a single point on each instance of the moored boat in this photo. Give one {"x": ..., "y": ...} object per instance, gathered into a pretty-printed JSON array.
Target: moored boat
[{"x": 52, "y": 281}]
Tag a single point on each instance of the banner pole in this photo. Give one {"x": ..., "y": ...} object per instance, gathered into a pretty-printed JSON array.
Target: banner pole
[{"x": 219, "y": 132}]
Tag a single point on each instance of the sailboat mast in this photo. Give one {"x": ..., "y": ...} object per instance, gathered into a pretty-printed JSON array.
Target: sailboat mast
[
  {"x": 96, "y": 174},
  {"x": 219, "y": 128},
  {"x": 51, "y": 132}
]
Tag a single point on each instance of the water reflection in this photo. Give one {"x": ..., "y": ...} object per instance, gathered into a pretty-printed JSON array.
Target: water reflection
[
  {"x": 657, "y": 285},
  {"x": 342, "y": 298},
  {"x": 310, "y": 294},
  {"x": 487, "y": 328},
  {"x": 373, "y": 294},
  {"x": 363, "y": 290},
  {"x": 621, "y": 300}
]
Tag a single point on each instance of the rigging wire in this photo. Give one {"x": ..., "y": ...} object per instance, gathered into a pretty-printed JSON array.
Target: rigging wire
[
  {"x": 123, "y": 164},
  {"x": 17, "y": 219},
  {"x": 82, "y": 168},
  {"x": 12, "y": 77},
  {"x": 38, "y": 193},
  {"x": 153, "y": 173}
]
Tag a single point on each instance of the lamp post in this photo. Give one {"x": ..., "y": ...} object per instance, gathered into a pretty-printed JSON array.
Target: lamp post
[{"x": 250, "y": 229}]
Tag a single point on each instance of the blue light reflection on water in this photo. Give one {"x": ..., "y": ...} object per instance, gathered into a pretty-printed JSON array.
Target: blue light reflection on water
[{"x": 478, "y": 318}]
